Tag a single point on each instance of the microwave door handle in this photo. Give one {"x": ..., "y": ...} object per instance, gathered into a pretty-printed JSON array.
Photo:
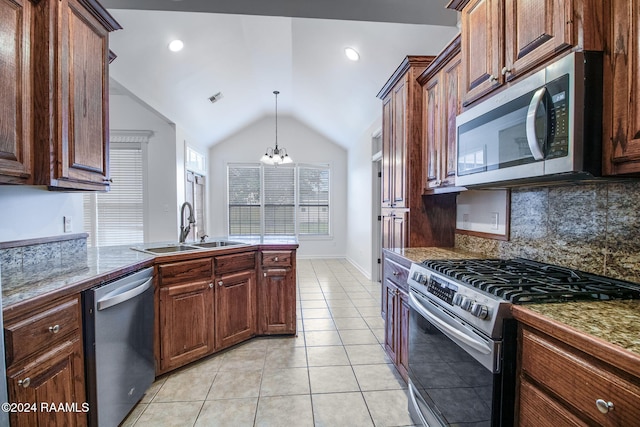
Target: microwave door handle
[{"x": 532, "y": 138}]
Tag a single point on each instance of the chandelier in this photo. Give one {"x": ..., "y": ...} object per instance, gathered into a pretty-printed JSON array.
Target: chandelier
[{"x": 277, "y": 155}]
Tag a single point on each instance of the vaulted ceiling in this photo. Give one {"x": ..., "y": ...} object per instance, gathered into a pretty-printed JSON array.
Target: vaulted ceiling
[{"x": 248, "y": 56}]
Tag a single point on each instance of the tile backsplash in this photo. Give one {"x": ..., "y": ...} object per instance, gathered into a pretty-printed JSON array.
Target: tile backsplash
[
  {"x": 594, "y": 227},
  {"x": 52, "y": 253}
]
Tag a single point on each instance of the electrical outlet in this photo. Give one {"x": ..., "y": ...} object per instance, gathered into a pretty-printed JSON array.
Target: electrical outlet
[
  {"x": 68, "y": 227},
  {"x": 495, "y": 220}
]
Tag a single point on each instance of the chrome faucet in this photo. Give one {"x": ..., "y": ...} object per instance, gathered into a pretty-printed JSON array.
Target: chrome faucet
[{"x": 184, "y": 231}]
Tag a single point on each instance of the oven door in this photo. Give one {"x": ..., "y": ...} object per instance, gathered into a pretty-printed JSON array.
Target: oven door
[{"x": 454, "y": 372}]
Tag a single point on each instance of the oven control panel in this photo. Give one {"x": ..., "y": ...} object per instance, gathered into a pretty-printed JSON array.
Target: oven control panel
[{"x": 445, "y": 291}]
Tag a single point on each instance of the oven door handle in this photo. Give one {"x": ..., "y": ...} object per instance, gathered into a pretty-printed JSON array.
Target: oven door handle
[{"x": 448, "y": 329}]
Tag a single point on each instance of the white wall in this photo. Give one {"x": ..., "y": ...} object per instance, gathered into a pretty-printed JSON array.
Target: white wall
[
  {"x": 304, "y": 145},
  {"x": 28, "y": 212},
  {"x": 360, "y": 201}
]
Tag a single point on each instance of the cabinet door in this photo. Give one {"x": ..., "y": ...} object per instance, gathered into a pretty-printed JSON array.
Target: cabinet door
[
  {"x": 387, "y": 153},
  {"x": 387, "y": 231},
  {"x": 186, "y": 323},
  {"x": 451, "y": 107},
  {"x": 234, "y": 308},
  {"x": 432, "y": 127},
  {"x": 622, "y": 148},
  {"x": 398, "y": 227},
  {"x": 15, "y": 91},
  {"x": 390, "y": 337},
  {"x": 535, "y": 30},
  {"x": 403, "y": 334},
  {"x": 278, "y": 301},
  {"x": 399, "y": 144},
  {"x": 56, "y": 377},
  {"x": 481, "y": 48}
]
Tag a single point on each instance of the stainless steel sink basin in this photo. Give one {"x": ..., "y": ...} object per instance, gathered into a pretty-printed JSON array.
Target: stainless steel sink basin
[
  {"x": 169, "y": 249},
  {"x": 217, "y": 244}
]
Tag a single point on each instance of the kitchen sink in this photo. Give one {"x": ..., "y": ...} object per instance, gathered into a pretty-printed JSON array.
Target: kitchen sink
[
  {"x": 217, "y": 244},
  {"x": 168, "y": 249}
]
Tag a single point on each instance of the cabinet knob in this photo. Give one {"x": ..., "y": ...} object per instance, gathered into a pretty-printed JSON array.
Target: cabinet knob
[
  {"x": 220, "y": 283},
  {"x": 265, "y": 274},
  {"x": 25, "y": 382},
  {"x": 493, "y": 78},
  {"x": 506, "y": 71},
  {"x": 54, "y": 329},
  {"x": 211, "y": 285},
  {"x": 276, "y": 259},
  {"x": 604, "y": 406},
  {"x": 396, "y": 273}
]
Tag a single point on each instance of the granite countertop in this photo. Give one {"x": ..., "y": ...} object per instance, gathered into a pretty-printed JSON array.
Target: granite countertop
[
  {"x": 617, "y": 322},
  {"x": 422, "y": 253},
  {"x": 19, "y": 285}
]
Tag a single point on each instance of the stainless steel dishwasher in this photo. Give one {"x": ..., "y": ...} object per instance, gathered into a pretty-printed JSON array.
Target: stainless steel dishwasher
[{"x": 118, "y": 338}]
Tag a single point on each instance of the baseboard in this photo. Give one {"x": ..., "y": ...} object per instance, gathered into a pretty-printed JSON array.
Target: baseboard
[
  {"x": 320, "y": 256},
  {"x": 365, "y": 273}
]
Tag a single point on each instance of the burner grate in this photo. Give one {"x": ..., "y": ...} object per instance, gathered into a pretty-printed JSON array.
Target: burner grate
[{"x": 524, "y": 281}]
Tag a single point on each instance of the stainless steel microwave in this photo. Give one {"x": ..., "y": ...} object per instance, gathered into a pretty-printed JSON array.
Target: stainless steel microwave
[{"x": 546, "y": 127}]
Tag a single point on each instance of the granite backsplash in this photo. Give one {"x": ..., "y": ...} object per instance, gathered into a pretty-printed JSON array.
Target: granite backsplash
[{"x": 594, "y": 227}]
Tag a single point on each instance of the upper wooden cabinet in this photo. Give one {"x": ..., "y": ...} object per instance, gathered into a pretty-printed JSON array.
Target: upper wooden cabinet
[
  {"x": 441, "y": 91},
  {"x": 15, "y": 92},
  {"x": 70, "y": 59},
  {"x": 621, "y": 146},
  {"x": 502, "y": 40}
]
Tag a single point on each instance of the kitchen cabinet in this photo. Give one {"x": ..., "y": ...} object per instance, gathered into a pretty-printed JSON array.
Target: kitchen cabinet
[
  {"x": 406, "y": 218},
  {"x": 621, "y": 145},
  {"x": 15, "y": 92},
  {"x": 235, "y": 298},
  {"x": 502, "y": 40},
  {"x": 69, "y": 66},
  {"x": 395, "y": 310},
  {"x": 442, "y": 101},
  {"x": 277, "y": 294},
  {"x": 185, "y": 312},
  {"x": 45, "y": 365}
]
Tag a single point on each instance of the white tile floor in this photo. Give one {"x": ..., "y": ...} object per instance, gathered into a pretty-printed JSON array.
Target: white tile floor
[{"x": 334, "y": 373}]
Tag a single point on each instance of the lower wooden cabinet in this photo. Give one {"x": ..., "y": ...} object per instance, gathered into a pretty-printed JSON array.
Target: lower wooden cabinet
[
  {"x": 235, "y": 308},
  {"x": 395, "y": 311},
  {"x": 277, "y": 295},
  {"x": 559, "y": 385},
  {"x": 46, "y": 366}
]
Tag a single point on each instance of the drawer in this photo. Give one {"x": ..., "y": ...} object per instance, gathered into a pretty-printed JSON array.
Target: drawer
[
  {"x": 276, "y": 258},
  {"x": 579, "y": 380},
  {"x": 40, "y": 330},
  {"x": 235, "y": 262},
  {"x": 185, "y": 271},
  {"x": 396, "y": 273}
]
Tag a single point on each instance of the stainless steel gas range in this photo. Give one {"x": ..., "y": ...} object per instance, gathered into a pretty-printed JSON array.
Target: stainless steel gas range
[{"x": 462, "y": 340}]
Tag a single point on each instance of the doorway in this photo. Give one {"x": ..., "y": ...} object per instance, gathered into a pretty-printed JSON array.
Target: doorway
[{"x": 376, "y": 232}]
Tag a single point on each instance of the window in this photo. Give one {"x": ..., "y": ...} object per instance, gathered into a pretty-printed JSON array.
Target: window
[
  {"x": 279, "y": 201},
  {"x": 116, "y": 217}
]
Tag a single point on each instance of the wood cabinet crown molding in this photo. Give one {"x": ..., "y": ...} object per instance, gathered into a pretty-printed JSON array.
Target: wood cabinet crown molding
[
  {"x": 100, "y": 13},
  {"x": 457, "y": 4},
  {"x": 440, "y": 61},
  {"x": 408, "y": 62}
]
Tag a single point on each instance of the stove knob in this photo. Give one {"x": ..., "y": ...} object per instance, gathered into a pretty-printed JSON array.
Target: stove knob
[
  {"x": 480, "y": 310},
  {"x": 457, "y": 300},
  {"x": 466, "y": 303}
]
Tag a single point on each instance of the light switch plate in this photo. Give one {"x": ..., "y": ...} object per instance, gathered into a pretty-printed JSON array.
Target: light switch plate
[{"x": 68, "y": 227}]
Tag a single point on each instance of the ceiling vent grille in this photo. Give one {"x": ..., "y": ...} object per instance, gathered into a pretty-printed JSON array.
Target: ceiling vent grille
[{"x": 216, "y": 97}]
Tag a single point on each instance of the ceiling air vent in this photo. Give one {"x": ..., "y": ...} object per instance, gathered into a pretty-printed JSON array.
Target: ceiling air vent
[{"x": 216, "y": 97}]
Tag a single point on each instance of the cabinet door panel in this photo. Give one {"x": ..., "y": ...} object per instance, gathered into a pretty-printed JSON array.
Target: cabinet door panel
[
  {"x": 433, "y": 125},
  {"x": 278, "y": 301},
  {"x": 535, "y": 30},
  {"x": 398, "y": 226},
  {"x": 186, "y": 317},
  {"x": 451, "y": 107},
  {"x": 387, "y": 177},
  {"x": 403, "y": 334},
  {"x": 482, "y": 47},
  {"x": 15, "y": 90},
  {"x": 390, "y": 337},
  {"x": 54, "y": 378},
  {"x": 234, "y": 319},
  {"x": 399, "y": 146}
]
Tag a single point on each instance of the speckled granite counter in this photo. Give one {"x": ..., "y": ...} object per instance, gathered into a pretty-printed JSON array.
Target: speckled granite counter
[
  {"x": 420, "y": 254},
  {"x": 51, "y": 280}
]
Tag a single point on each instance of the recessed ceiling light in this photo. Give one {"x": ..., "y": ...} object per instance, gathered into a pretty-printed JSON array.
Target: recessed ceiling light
[
  {"x": 351, "y": 53},
  {"x": 176, "y": 46}
]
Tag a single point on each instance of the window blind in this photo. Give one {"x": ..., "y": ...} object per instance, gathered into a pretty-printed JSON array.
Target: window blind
[
  {"x": 279, "y": 201},
  {"x": 243, "y": 188},
  {"x": 116, "y": 217},
  {"x": 313, "y": 200}
]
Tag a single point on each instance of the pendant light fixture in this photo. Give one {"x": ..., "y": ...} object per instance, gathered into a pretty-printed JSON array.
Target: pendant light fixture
[{"x": 276, "y": 155}]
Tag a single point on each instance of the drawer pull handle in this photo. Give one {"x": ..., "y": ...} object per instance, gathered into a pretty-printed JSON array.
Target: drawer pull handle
[
  {"x": 54, "y": 329},
  {"x": 604, "y": 406},
  {"x": 25, "y": 382},
  {"x": 220, "y": 283},
  {"x": 276, "y": 259}
]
